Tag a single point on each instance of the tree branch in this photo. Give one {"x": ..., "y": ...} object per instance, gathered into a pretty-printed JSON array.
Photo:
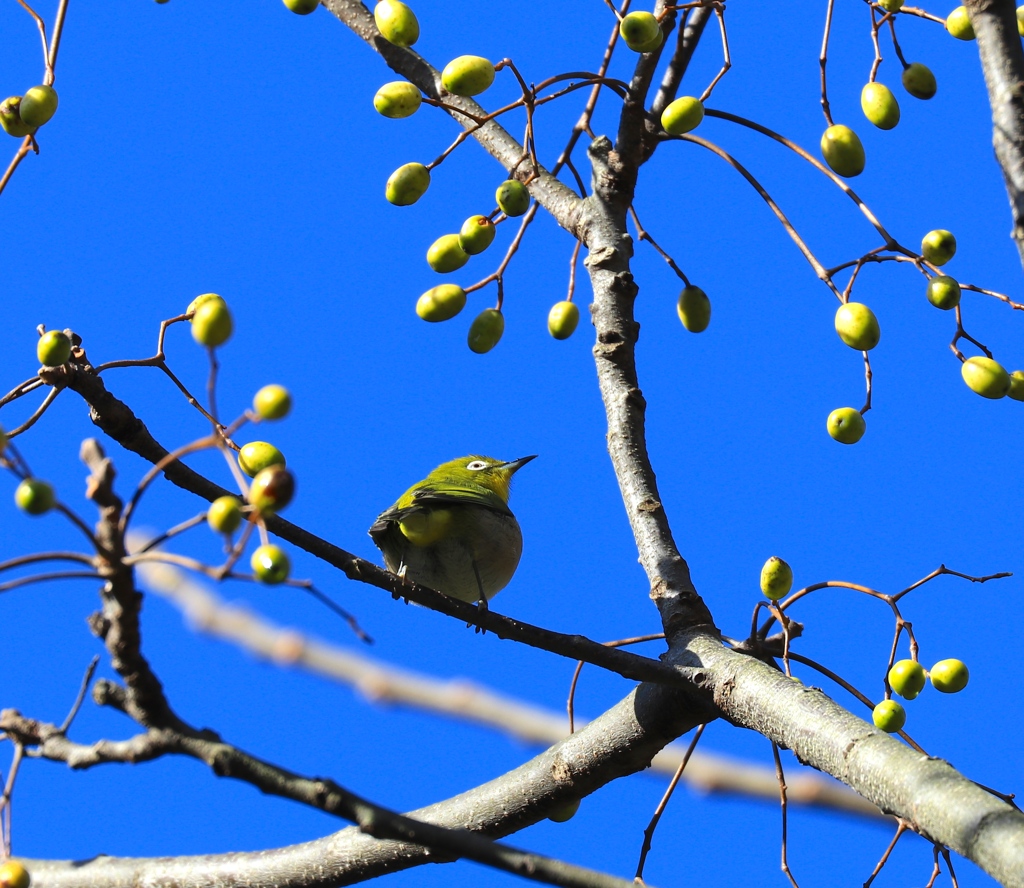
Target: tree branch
[
  {"x": 1002, "y": 61},
  {"x": 620, "y": 742}
]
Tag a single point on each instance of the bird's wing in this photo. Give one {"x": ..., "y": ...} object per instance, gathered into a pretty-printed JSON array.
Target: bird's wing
[{"x": 437, "y": 496}]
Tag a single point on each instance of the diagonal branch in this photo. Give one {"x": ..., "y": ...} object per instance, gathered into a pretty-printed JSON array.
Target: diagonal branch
[{"x": 620, "y": 742}]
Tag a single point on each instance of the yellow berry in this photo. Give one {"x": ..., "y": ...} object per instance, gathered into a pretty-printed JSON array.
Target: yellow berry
[
  {"x": 889, "y": 716},
  {"x": 397, "y": 99},
  {"x": 396, "y": 22},
  {"x": 14, "y": 875},
  {"x": 842, "y": 151},
  {"x": 879, "y": 105},
  {"x": 985, "y": 377},
  {"x": 562, "y": 319},
  {"x": 949, "y": 676},
  {"x": 272, "y": 402},
  {"x": 476, "y": 235},
  {"x": 38, "y": 105},
  {"x": 407, "y": 184},
  {"x": 513, "y": 197},
  {"x": 682, "y": 115},
  {"x": 467, "y": 75},
  {"x": 224, "y": 515},
  {"x": 846, "y": 425},
  {"x": 270, "y": 564},
  {"x": 212, "y": 324},
  {"x": 776, "y": 578},
  {"x": 906, "y": 677},
  {"x": 34, "y": 497},
  {"x": 857, "y": 326},
  {"x": 441, "y": 303},
  {"x": 445, "y": 254},
  {"x": 694, "y": 309},
  {"x": 53, "y": 348},
  {"x": 943, "y": 292},
  {"x": 938, "y": 246},
  {"x": 485, "y": 331},
  {"x": 256, "y": 456}
]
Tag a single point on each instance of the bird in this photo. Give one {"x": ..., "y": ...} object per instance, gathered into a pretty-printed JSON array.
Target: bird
[{"x": 453, "y": 531}]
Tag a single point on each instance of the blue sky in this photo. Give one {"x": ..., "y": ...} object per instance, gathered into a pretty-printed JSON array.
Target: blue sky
[{"x": 205, "y": 147}]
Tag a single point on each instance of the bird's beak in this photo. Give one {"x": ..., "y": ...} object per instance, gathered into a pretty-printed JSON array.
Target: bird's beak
[{"x": 515, "y": 465}]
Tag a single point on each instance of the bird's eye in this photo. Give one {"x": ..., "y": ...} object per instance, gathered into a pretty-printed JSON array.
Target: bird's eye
[{"x": 477, "y": 465}]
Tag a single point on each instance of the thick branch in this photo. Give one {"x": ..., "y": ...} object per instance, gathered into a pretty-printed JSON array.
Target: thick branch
[
  {"x": 617, "y": 333},
  {"x": 1002, "y": 60},
  {"x": 620, "y": 742},
  {"x": 925, "y": 792}
]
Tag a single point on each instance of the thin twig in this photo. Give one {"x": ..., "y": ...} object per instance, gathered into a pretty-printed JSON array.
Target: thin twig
[
  {"x": 83, "y": 689},
  {"x": 782, "y": 797},
  {"x": 653, "y": 825}
]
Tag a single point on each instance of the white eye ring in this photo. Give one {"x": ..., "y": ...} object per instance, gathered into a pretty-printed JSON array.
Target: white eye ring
[{"x": 477, "y": 465}]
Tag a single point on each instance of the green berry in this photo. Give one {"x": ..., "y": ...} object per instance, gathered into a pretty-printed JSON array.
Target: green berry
[
  {"x": 985, "y": 377},
  {"x": 441, "y": 303},
  {"x": 919, "y": 81},
  {"x": 299, "y": 7},
  {"x": 272, "y": 489},
  {"x": 907, "y": 678},
  {"x": 943, "y": 292},
  {"x": 396, "y": 22},
  {"x": 842, "y": 151},
  {"x": 641, "y": 31},
  {"x": 34, "y": 496},
  {"x": 694, "y": 309},
  {"x": 270, "y": 564},
  {"x": 476, "y": 234},
  {"x": 200, "y": 299},
  {"x": 53, "y": 348},
  {"x": 1016, "y": 388},
  {"x": 445, "y": 254},
  {"x": 407, "y": 184},
  {"x": 949, "y": 676},
  {"x": 1020, "y": 20},
  {"x": 485, "y": 331},
  {"x": 211, "y": 323},
  {"x": 256, "y": 456},
  {"x": 682, "y": 115},
  {"x": 10, "y": 118},
  {"x": 879, "y": 105},
  {"x": 891, "y": 5},
  {"x": 513, "y": 197},
  {"x": 776, "y": 578},
  {"x": 14, "y": 875},
  {"x": 224, "y": 515},
  {"x": 889, "y": 716},
  {"x": 397, "y": 99},
  {"x": 846, "y": 425},
  {"x": 562, "y": 319},
  {"x": 938, "y": 246},
  {"x": 857, "y": 326},
  {"x": 468, "y": 75},
  {"x": 958, "y": 23},
  {"x": 565, "y": 811},
  {"x": 272, "y": 402},
  {"x": 38, "y": 105}
]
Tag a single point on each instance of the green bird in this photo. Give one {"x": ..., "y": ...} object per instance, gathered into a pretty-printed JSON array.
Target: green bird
[{"x": 454, "y": 531}]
